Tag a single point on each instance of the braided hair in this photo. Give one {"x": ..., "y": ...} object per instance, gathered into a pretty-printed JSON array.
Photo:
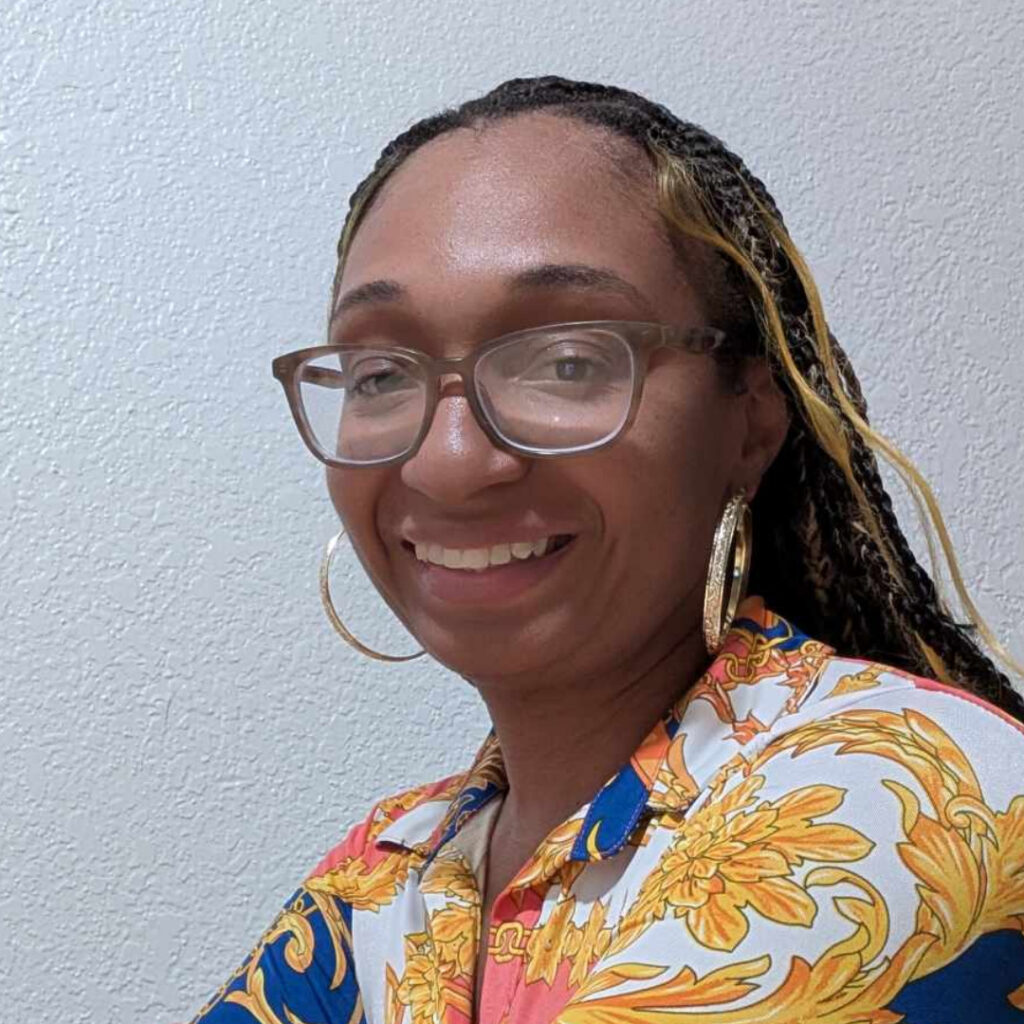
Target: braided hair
[{"x": 829, "y": 552}]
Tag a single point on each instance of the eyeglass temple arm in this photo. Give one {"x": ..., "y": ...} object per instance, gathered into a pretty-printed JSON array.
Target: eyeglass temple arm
[
  {"x": 324, "y": 376},
  {"x": 704, "y": 339}
]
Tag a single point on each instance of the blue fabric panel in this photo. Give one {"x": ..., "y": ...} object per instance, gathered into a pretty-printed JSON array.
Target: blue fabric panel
[
  {"x": 972, "y": 989},
  {"x": 306, "y": 995}
]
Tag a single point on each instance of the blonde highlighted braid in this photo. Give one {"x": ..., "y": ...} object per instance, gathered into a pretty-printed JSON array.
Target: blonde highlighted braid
[{"x": 829, "y": 552}]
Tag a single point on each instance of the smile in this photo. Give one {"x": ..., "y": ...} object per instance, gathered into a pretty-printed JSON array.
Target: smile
[
  {"x": 478, "y": 559},
  {"x": 486, "y": 578}
]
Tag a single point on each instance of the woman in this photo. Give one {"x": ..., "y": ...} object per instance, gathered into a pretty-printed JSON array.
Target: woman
[{"x": 579, "y": 383}]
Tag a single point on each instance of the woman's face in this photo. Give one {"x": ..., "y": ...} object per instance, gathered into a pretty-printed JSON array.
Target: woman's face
[{"x": 458, "y": 227}]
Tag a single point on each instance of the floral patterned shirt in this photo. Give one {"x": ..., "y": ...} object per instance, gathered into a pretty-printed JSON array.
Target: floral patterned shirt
[{"x": 802, "y": 837}]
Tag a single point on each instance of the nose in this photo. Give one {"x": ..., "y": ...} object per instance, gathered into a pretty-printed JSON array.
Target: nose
[{"x": 457, "y": 460}]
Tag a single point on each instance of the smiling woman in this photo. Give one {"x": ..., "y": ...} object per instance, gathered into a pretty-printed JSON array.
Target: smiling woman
[{"x": 588, "y": 433}]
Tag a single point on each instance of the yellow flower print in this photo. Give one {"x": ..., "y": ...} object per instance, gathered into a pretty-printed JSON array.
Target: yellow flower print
[
  {"x": 1007, "y": 874},
  {"x": 364, "y": 887},
  {"x": 546, "y": 947},
  {"x": 420, "y": 988},
  {"x": 588, "y": 944},
  {"x": 838, "y": 988},
  {"x": 453, "y": 930},
  {"x": 560, "y": 939},
  {"x": 732, "y": 854},
  {"x": 438, "y": 967},
  {"x": 449, "y": 875}
]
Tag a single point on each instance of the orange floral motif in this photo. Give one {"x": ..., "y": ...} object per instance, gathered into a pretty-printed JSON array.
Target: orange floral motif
[
  {"x": 546, "y": 948},
  {"x": 734, "y": 853},
  {"x": 449, "y": 875},
  {"x": 1006, "y": 872},
  {"x": 362, "y": 875},
  {"x": 559, "y": 939},
  {"x": 438, "y": 967},
  {"x": 453, "y": 931},
  {"x": 365, "y": 888},
  {"x": 420, "y": 988},
  {"x": 588, "y": 944}
]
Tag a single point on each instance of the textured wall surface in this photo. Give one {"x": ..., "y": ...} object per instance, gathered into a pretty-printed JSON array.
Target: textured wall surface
[{"x": 181, "y": 734}]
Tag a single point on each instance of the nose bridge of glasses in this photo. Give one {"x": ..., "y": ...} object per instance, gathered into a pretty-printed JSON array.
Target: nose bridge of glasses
[
  {"x": 453, "y": 372},
  {"x": 453, "y": 378}
]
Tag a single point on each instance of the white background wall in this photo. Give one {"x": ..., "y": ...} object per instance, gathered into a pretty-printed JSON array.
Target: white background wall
[{"x": 181, "y": 734}]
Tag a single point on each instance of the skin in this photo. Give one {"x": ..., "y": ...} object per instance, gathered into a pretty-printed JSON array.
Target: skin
[{"x": 575, "y": 671}]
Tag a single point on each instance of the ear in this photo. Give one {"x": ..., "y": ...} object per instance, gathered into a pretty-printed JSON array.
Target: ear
[{"x": 767, "y": 424}]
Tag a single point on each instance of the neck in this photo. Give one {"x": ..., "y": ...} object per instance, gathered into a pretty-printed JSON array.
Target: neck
[{"x": 561, "y": 743}]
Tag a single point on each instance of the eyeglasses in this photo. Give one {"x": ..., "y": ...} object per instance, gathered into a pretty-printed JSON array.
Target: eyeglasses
[{"x": 559, "y": 389}]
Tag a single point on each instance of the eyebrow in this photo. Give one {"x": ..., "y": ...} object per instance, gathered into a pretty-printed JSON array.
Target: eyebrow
[
  {"x": 543, "y": 275},
  {"x": 382, "y": 290}
]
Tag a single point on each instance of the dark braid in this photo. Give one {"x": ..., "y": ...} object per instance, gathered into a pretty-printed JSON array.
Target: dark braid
[{"x": 829, "y": 552}]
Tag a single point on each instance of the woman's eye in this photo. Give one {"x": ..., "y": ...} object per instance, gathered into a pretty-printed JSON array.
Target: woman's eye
[
  {"x": 568, "y": 368},
  {"x": 574, "y": 368},
  {"x": 376, "y": 384},
  {"x": 377, "y": 380}
]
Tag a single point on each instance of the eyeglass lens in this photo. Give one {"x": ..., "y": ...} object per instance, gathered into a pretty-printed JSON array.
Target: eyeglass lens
[{"x": 560, "y": 390}]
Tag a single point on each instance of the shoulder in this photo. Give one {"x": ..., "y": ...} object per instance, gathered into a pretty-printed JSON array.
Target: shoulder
[
  {"x": 868, "y": 698},
  {"x": 866, "y": 848},
  {"x": 863, "y": 711},
  {"x": 931, "y": 774},
  {"x": 893, "y": 802},
  {"x": 301, "y": 965}
]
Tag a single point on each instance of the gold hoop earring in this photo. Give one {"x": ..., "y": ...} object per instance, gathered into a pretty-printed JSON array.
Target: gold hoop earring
[
  {"x": 734, "y": 526},
  {"x": 332, "y": 614}
]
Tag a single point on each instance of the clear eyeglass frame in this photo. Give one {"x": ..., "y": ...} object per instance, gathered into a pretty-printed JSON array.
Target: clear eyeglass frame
[{"x": 643, "y": 339}]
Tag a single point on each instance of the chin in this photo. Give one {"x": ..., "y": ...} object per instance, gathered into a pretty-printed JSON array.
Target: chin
[{"x": 495, "y": 653}]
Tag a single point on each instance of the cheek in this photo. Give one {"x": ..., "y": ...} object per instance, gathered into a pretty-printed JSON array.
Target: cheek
[
  {"x": 673, "y": 473},
  {"x": 355, "y": 494},
  {"x": 687, "y": 435},
  {"x": 343, "y": 487}
]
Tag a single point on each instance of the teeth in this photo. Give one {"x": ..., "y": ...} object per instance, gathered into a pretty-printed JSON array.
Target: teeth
[
  {"x": 481, "y": 558},
  {"x": 476, "y": 558}
]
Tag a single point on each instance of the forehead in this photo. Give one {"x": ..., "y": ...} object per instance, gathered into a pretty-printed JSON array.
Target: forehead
[{"x": 478, "y": 205}]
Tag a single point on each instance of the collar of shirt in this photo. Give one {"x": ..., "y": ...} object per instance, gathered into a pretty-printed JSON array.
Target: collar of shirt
[{"x": 765, "y": 670}]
